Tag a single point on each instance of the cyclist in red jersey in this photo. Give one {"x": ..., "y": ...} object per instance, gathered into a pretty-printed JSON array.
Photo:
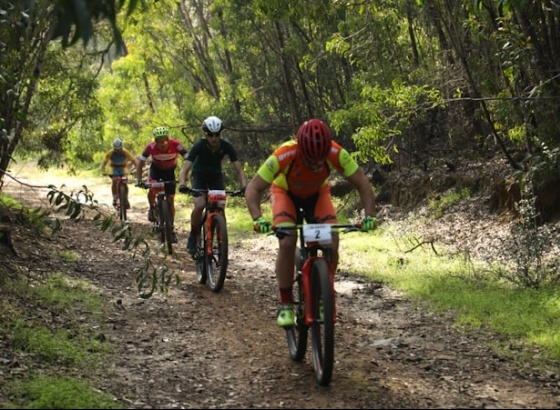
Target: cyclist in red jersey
[
  {"x": 164, "y": 152},
  {"x": 298, "y": 172}
]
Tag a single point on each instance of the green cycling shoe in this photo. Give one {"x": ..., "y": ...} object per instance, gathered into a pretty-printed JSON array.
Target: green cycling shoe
[{"x": 286, "y": 316}]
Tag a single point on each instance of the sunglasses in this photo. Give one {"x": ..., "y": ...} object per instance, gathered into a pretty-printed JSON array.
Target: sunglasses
[
  {"x": 213, "y": 135},
  {"x": 162, "y": 140}
]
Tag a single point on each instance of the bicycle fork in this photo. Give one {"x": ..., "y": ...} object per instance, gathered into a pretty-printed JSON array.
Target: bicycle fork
[
  {"x": 210, "y": 233},
  {"x": 306, "y": 278}
]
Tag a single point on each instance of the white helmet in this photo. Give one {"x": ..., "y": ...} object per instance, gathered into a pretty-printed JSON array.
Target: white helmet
[
  {"x": 117, "y": 143},
  {"x": 212, "y": 125}
]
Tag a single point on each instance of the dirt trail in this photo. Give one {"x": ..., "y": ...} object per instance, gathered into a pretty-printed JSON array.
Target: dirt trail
[{"x": 193, "y": 348}]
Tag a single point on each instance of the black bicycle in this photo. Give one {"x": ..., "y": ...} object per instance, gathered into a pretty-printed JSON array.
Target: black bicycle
[
  {"x": 122, "y": 195},
  {"x": 122, "y": 201},
  {"x": 211, "y": 256},
  {"x": 162, "y": 225}
]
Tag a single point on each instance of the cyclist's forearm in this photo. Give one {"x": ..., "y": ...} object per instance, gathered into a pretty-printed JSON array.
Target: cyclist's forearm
[
  {"x": 139, "y": 170},
  {"x": 367, "y": 196},
  {"x": 242, "y": 178},
  {"x": 254, "y": 211},
  {"x": 240, "y": 173},
  {"x": 184, "y": 171},
  {"x": 253, "y": 199}
]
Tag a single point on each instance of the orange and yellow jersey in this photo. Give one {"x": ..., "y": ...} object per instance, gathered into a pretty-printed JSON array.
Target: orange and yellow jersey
[
  {"x": 285, "y": 169},
  {"x": 118, "y": 161}
]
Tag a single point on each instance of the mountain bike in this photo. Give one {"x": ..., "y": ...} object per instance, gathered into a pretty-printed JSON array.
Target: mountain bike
[
  {"x": 162, "y": 225},
  {"x": 211, "y": 256},
  {"x": 122, "y": 201},
  {"x": 314, "y": 303},
  {"x": 122, "y": 195}
]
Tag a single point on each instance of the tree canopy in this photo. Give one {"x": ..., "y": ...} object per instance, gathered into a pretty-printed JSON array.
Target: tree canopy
[{"x": 400, "y": 81}]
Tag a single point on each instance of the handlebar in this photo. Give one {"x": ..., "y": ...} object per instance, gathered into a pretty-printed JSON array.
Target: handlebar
[
  {"x": 344, "y": 227},
  {"x": 282, "y": 231},
  {"x": 156, "y": 184},
  {"x": 198, "y": 192}
]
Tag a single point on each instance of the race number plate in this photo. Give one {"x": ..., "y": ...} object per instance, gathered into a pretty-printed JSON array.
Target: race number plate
[
  {"x": 217, "y": 197},
  {"x": 317, "y": 233}
]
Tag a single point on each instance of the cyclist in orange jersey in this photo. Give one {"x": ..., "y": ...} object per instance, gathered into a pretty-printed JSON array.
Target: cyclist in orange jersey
[{"x": 298, "y": 174}]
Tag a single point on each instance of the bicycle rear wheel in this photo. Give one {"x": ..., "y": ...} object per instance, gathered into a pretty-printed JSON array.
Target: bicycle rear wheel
[
  {"x": 322, "y": 328},
  {"x": 297, "y": 335},
  {"x": 122, "y": 202},
  {"x": 217, "y": 262}
]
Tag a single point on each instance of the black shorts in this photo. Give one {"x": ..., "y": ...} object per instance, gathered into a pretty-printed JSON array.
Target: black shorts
[
  {"x": 157, "y": 174},
  {"x": 201, "y": 180}
]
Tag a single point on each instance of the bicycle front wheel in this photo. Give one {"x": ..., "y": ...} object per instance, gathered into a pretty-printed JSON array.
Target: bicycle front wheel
[
  {"x": 322, "y": 328},
  {"x": 166, "y": 223},
  {"x": 297, "y": 335},
  {"x": 217, "y": 261},
  {"x": 200, "y": 256},
  {"x": 122, "y": 202}
]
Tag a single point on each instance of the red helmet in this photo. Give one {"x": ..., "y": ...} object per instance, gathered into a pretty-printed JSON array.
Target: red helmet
[{"x": 314, "y": 141}]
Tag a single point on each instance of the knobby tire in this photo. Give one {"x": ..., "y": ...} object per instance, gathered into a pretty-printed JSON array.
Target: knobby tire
[
  {"x": 297, "y": 335},
  {"x": 200, "y": 256},
  {"x": 322, "y": 329},
  {"x": 166, "y": 225},
  {"x": 217, "y": 262},
  {"x": 122, "y": 201}
]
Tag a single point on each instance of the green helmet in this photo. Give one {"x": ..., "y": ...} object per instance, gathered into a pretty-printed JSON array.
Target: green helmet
[{"x": 161, "y": 132}]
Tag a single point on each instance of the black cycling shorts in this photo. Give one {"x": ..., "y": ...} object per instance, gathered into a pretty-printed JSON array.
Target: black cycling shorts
[
  {"x": 164, "y": 175},
  {"x": 200, "y": 180}
]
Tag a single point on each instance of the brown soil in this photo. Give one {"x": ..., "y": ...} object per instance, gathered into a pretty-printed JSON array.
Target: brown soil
[{"x": 192, "y": 348}]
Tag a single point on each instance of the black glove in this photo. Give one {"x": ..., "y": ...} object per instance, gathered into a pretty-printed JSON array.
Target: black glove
[
  {"x": 242, "y": 190},
  {"x": 183, "y": 189}
]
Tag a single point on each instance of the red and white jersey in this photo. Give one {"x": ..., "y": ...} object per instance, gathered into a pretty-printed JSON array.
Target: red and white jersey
[{"x": 164, "y": 159}]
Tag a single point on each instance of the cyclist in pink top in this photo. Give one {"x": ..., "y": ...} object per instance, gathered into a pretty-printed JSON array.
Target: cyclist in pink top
[{"x": 164, "y": 152}]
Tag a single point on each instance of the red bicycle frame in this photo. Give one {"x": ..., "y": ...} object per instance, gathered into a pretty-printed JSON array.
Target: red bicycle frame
[{"x": 306, "y": 277}]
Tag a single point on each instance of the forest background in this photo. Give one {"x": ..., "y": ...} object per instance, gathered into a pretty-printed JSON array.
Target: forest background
[
  {"x": 409, "y": 87},
  {"x": 404, "y": 84}
]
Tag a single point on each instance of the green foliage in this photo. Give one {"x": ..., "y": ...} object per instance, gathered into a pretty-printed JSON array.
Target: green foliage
[
  {"x": 65, "y": 100},
  {"x": 381, "y": 117},
  {"x": 440, "y": 203},
  {"x": 154, "y": 276},
  {"x": 529, "y": 248},
  {"x": 51, "y": 392},
  {"x": 75, "y": 20},
  {"x": 379, "y": 72},
  {"x": 524, "y": 317},
  {"x": 61, "y": 293},
  {"x": 36, "y": 219},
  {"x": 58, "y": 346},
  {"x": 542, "y": 167}
]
